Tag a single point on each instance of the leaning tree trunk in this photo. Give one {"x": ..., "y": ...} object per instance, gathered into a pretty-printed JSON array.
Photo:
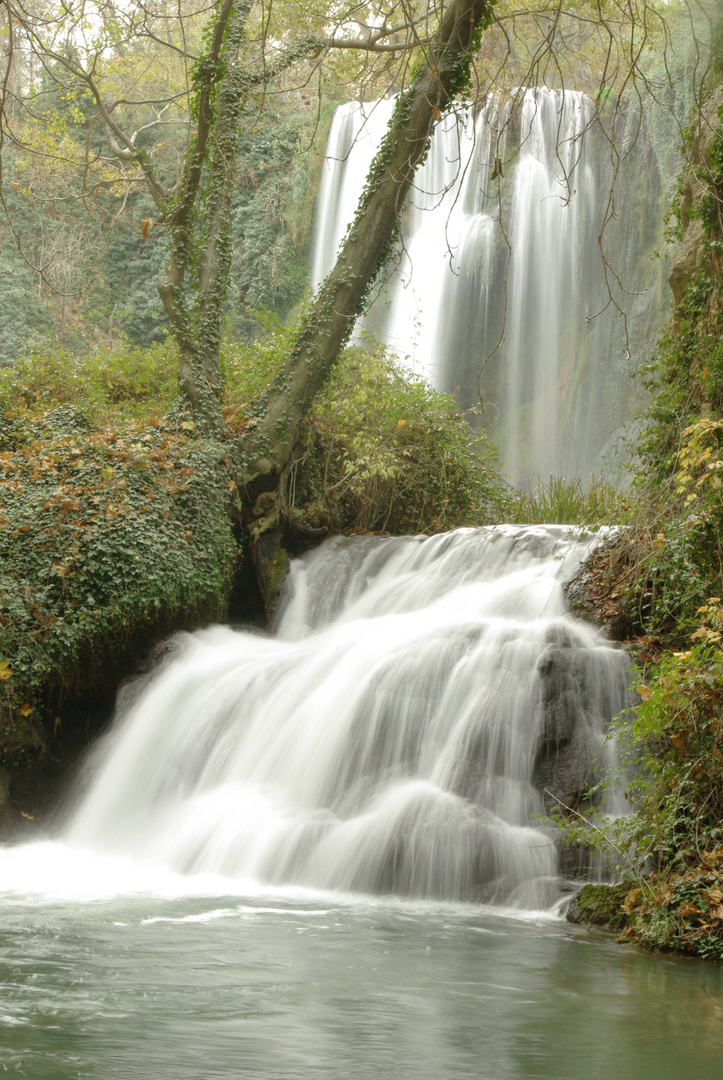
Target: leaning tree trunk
[{"x": 268, "y": 444}]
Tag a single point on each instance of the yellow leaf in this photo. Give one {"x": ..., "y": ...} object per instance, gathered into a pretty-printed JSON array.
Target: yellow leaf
[
  {"x": 629, "y": 901},
  {"x": 188, "y": 425},
  {"x": 400, "y": 424},
  {"x": 26, "y": 709},
  {"x": 644, "y": 692},
  {"x": 5, "y": 672}
]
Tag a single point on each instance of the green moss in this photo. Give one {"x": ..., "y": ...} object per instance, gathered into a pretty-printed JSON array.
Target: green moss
[
  {"x": 601, "y": 905},
  {"x": 108, "y": 541}
]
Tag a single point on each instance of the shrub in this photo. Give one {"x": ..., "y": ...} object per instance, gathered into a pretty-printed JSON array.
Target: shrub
[
  {"x": 109, "y": 540},
  {"x": 122, "y": 383},
  {"x": 380, "y": 451}
]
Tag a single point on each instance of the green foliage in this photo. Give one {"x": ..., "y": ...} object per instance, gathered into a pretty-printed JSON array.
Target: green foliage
[
  {"x": 273, "y": 209},
  {"x": 671, "y": 749},
  {"x": 22, "y": 317},
  {"x": 387, "y": 452},
  {"x": 123, "y": 382},
  {"x": 108, "y": 542},
  {"x": 133, "y": 266},
  {"x": 680, "y": 563},
  {"x": 380, "y": 450},
  {"x": 681, "y": 451},
  {"x": 680, "y": 815}
]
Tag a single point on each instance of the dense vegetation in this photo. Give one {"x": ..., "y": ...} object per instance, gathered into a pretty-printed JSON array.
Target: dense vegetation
[
  {"x": 667, "y": 573},
  {"x": 117, "y": 521},
  {"x": 87, "y": 277}
]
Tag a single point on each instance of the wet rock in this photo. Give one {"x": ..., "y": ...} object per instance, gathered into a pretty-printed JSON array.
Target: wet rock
[
  {"x": 564, "y": 774},
  {"x": 563, "y": 683},
  {"x": 601, "y": 591},
  {"x": 563, "y": 768},
  {"x": 600, "y": 905},
  {"x": 271, "y": 564},
  {"x": 686, "y": 262}
]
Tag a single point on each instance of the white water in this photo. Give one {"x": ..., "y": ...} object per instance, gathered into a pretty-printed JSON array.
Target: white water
[
  {"x": 383, "y": 742},
  {"x": 192, "y": 919},
  {"x": 485, "y": 259}
]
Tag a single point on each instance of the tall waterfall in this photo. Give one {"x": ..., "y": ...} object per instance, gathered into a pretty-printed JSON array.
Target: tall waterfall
[
  {"x": 499, "y": 283},
  {"x": 396, "y": 735}
]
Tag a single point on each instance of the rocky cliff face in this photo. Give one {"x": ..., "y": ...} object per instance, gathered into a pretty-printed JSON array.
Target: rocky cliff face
[{"x": 695, "y": 187}]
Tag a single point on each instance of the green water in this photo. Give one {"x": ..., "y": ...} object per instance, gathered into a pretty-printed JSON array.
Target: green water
[{"x": 284, "y": 988}]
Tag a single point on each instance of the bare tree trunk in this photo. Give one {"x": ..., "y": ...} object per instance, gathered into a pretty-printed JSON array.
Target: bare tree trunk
[{"x": 268, "y": 445}]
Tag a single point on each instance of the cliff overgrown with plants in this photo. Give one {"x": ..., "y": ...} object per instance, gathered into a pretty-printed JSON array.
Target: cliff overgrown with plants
[{"x": 666, "y": 573}]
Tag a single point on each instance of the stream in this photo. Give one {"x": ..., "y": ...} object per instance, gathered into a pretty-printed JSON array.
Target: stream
[{"x": 323, "y": 853}]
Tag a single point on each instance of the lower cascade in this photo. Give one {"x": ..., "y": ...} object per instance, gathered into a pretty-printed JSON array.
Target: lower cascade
[{"x": 420, "y": 703}]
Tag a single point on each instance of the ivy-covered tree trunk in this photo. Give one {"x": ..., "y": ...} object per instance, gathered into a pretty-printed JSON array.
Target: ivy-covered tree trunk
[
  {"x": 201, "y": 244},
  {"x": 443, "y": 74}
]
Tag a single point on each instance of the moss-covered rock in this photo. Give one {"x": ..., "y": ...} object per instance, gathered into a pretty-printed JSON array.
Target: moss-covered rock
[
  {"x": 600, "y": 905},
  {"x": 108, "y": 541},
  {"x": 271, "y": 565}
]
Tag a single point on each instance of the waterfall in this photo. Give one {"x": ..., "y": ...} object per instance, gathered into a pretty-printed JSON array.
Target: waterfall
[
  {"x": 397, "y": 734},
  {"x": 499, "y": 288}
]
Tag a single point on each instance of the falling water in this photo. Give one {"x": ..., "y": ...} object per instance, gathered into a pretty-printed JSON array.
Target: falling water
[
  {"x": 499, "y": 283},
  {"x": 227, "y": 899},
  {"x": 393, "y": 737}
]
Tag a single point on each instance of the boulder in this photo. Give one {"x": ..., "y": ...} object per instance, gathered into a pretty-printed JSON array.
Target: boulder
[{"x": 563, "y": 767}]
